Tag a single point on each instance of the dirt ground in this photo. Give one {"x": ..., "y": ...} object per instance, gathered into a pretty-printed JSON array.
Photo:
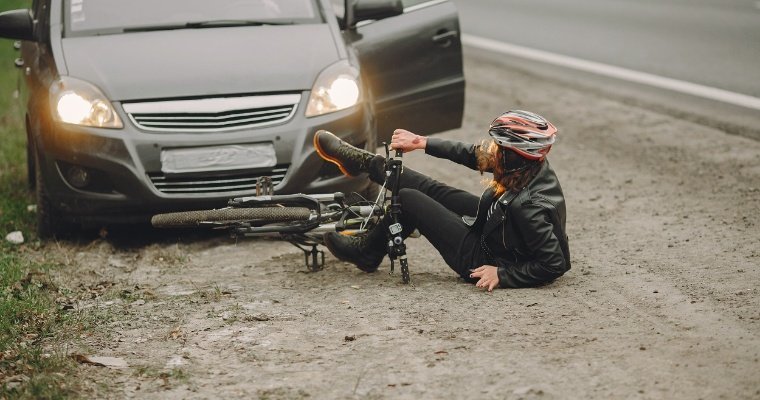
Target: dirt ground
[{"x": 661, "y": 302}]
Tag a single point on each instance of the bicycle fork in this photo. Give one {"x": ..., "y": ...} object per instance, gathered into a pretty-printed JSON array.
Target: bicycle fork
[{"x": 396, "y": 246}]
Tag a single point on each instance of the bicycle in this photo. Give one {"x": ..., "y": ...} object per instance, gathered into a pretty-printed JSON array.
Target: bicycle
[{"x": 302, "y": 219}]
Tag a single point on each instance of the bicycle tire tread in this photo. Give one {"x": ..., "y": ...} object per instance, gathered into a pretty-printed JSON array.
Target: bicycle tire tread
[{"x": 187, "y": 219}]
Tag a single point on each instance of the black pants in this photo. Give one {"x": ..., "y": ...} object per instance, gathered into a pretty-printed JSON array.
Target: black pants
[{"x": 436, "y": 210}]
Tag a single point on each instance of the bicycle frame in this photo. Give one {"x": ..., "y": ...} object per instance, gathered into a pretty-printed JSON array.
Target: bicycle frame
[{"x": 396, "y": 245}]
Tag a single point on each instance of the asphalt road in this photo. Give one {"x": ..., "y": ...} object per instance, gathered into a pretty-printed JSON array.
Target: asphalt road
[{"x": 714, "y": 43}]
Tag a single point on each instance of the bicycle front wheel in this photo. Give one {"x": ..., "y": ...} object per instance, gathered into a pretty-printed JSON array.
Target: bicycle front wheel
[{"x": 189, "y": 219}]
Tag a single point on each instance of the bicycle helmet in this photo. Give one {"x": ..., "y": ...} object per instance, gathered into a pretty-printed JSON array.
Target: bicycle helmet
[{"x": 527, "y": 134}]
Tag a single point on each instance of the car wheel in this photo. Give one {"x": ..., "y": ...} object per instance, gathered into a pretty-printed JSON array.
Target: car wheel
[
  {"x": 49, "y": 224},
  {"x": 30, "y": 170},
  {"x": 373, "y": 189},
  {"x": 31, "y": 176}
]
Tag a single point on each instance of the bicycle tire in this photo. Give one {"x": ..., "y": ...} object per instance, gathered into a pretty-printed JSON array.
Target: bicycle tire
[{"x": 188, "y": 219}]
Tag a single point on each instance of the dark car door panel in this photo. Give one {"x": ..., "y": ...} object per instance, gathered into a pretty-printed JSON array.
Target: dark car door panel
[{"x": 413, "y": 67}]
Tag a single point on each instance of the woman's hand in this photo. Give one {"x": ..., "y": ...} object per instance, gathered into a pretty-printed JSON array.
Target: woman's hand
[
  {"x": 407, "y": 141},
  {"x": 489, "y": 277}
]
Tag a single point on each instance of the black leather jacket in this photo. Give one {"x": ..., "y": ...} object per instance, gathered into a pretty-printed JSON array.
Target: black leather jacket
[{"x": 525, "y": 236}]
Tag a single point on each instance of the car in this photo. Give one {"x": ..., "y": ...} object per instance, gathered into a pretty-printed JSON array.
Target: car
[{"x": 136, "y": 107}]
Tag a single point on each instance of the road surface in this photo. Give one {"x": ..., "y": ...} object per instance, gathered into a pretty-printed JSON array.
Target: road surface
[{"x": 661, "y": 303}]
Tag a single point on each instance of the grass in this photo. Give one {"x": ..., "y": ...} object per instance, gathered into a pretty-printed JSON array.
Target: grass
[
  {"x": 33, "y": 362},
  {"x": 13, "y": 181},
  {"x": 29, "y": 321}
]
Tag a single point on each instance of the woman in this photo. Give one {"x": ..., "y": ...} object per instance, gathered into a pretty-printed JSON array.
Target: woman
[{"x": 512, "y": 236}]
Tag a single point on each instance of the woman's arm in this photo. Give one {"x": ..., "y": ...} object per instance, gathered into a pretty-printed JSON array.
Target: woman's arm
[
  {"x": 547, "y": 259},
  {"x": 460, "y": 153}
]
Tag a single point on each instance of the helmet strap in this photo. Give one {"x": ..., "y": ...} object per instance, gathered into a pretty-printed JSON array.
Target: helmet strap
[{"x": 509, "y": 165}]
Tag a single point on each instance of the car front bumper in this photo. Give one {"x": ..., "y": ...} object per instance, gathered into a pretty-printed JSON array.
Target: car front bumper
[{"x": 124, "y": 164}]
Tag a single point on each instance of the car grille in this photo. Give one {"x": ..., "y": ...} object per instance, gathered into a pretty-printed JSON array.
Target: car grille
[
  {"x": 213, "y": 114},
  {"x": 215, "y": 184}
]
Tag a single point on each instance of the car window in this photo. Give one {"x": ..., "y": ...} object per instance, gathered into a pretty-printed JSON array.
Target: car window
[{"x": 90, "y": 17}]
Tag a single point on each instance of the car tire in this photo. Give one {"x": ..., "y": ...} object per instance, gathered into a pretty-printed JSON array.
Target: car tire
[
  {"x": 30, "y": 169},
  {"x": 49, "y": 223},
  {"x": 31, "y": 176},
  {"x": 373, "y": 189}
]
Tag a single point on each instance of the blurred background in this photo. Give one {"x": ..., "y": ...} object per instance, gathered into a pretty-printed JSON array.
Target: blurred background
[{"x": 709, "y": 42}]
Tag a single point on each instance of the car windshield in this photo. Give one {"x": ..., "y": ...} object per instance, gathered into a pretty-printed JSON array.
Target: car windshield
[{"x": 100, "y": 17}]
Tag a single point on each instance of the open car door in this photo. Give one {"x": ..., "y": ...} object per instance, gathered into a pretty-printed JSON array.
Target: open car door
[{"x": 412, "y": 64}]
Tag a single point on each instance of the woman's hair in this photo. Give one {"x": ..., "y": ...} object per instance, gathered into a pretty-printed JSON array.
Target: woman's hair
[{"x": 511, "y": 172}]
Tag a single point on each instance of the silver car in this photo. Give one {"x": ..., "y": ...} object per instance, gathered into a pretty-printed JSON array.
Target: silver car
[{"x": 135, "y": 107}]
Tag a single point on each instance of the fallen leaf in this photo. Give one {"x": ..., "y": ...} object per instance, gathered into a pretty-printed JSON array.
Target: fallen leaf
[{"x": 110, "y": 362}]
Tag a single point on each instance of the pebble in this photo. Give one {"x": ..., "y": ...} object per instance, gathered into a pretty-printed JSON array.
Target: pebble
[{"x": 15, "y": 237}]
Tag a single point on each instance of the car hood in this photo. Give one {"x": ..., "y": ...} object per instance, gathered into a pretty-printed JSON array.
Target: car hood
[{"x": 202, "y": 62}]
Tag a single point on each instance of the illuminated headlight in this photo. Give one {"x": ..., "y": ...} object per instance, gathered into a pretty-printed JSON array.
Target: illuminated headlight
[
  {"x": 336, "y": 88},
  {"x": 81, "y": 103}
]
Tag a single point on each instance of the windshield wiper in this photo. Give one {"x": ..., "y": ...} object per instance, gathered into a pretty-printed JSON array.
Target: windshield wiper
[
  {"x": 207, "y": 24},
  {"x": 234, "y": 22}
]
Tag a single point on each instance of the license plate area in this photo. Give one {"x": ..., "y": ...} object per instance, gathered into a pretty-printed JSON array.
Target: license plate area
[{"x": 217, "y": 158}]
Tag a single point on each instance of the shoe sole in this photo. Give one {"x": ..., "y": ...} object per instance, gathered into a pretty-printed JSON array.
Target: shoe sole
[
  {"x": 326, "y": 157},
  {"x": 362, "y": 268}
]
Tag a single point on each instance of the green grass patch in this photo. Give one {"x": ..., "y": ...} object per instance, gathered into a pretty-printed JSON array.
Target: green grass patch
[
  {"x": 14, "y": 196},
  {"x": 33, "y": 362}
]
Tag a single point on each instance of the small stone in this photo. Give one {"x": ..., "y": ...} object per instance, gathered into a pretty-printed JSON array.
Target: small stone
[
  {"x": 15, "y": 237},
  {"x": 522, "y": 391}
]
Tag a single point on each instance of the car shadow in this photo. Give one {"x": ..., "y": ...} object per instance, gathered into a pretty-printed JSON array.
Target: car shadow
[{"x": 137, "y": 236}]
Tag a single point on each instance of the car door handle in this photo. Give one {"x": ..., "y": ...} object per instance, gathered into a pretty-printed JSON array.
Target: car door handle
[
  {"x": 443, "y": 37},
  {"x": 19, "y": 62}
]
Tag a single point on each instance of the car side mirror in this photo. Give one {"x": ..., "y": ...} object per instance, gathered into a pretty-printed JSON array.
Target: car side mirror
[
  {"x": 17, "y": 24},
  {"x": 367, "y": 10}
]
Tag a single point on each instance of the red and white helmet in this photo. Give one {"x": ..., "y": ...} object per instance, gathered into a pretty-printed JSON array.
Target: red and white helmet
[{"x": 528, "y": 134}]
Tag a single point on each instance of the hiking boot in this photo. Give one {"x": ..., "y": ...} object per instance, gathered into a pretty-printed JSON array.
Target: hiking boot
[
  {"x": 351, "y": 160},
  {"x": 365, "y": 251}
]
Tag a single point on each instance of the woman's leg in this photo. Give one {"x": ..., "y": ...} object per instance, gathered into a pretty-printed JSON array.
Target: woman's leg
[
  {"x": 457, "y": 200},
  {"x": 457, "y": 243}
]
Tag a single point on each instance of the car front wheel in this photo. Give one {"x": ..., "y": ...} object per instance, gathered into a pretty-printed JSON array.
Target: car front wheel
[{"x": 49, "y": 223}]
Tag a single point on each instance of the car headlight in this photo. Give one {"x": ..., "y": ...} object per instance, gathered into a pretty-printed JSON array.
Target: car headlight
[
  {"x": 81, "y": 103},
  {"x": 336, "y": 88}
]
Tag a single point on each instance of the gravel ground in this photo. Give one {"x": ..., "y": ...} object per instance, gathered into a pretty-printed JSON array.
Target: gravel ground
[{"x": 662, "y": 300}]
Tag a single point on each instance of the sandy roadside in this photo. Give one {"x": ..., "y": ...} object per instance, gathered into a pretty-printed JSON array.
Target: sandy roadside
[{"x": 664, "y": 222}]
